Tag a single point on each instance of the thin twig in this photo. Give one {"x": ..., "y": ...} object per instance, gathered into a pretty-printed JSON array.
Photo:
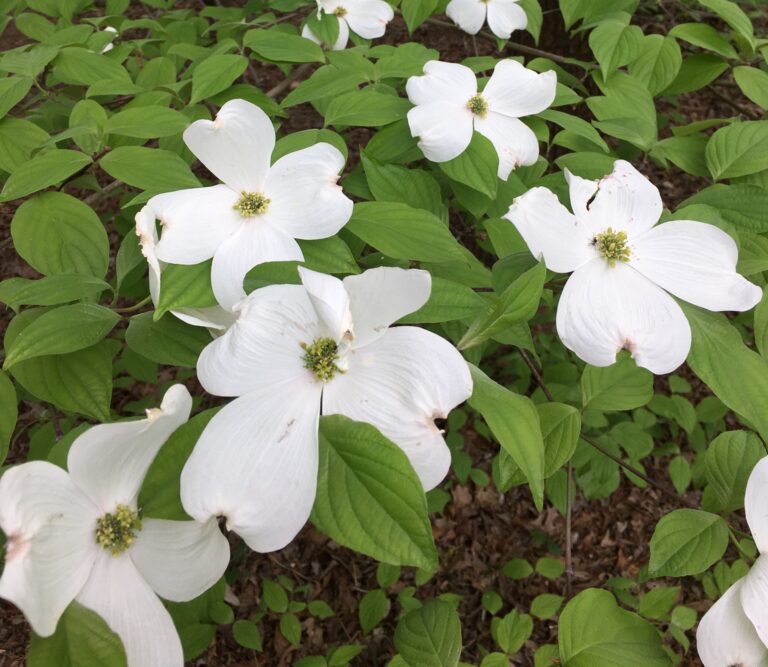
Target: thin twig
[{"x": 568, "y": 533}]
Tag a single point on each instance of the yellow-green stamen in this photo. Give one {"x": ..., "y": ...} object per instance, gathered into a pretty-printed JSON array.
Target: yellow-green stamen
[
  {"x": 612, "y": 246},
  {"x": 116, "y": 531},
  {"x": 478, "y": 106},
  {"x": 340, "y": 11},
  {"x": 251, "y": 203},
  {"x": 320, "y": 357}
]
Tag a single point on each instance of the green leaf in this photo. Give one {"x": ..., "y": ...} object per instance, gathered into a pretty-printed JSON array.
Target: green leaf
[
  {"x": 167, "y": 341},
  {"x": 369, "y": 498},
  {"x": 743, "y": 206},
  {"x": 13, "y": 89},
  {"x": 146, "y": 122},
  {"x": 42, "y": 171},
  {"x": 82, "y": 67},
  {"x": 325, "y": 27},
  {"x": 576, "y": 125},
  {"x": 615, "y": 44},
  {"x": 621, "y": 386},
  {"x": 514, "y": 422},
  {"x": 331, "y": 255},
  {"x": 80, "y": 381},
  {"x": 160, "y": 496},
  {"x": 705, "y": 36},
  {"x": 753, "y": 83},
  {"x": 620, "y": 638},
  {"x": 658, "y": 63},
  {"x": 415, "y": 12},
  {"x": 366, "y": 108},
  {"x": 282, "y": 47},
  {"x": 476, "y": 167},
  {"x": 82, "y": 639},
  {"x": 61, "y": 330},
  {"x": 214, "y": 74},
  {"x": 738, "y": 150},
  {"x": 295, "y": 141},
  {"x": 687, "y": 542},
  {"x": 151, "y": 169},
  {"x": 430, "y": 636},
  {"x": 392, "y": 183},
  {"x": 324, "y": 82},
  {"x": 728, "y": 461},
  {"x": 517, "y": 303},
  {"x": 50, "y": 291},
  {"x": 8, "y": 414},
  {"x": 402, "y": 232},
  {"x": 18, "y": 139},
  {"x": 721, "y": 360},
  {"x": 247, "y": 634},
  {"x": 512, "y": 631},
  {"x": 696, "y": 72},
  {"x": 734, "y": 16},
  {"x": 560, "y": 428},
  {"x": 185, "y": 286},
  {"x": 56, "y": 233},
  {"x": 448, "y": 301},
  {"x": 373, "y": 609}
]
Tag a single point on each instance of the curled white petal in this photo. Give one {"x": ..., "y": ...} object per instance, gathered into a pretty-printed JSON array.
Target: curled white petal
[
  {"x": 515, "y": 143},
  {"x": 180, "y": 559},
  {"x": 256, "y": 464},
  {"x": 506, "y": 16},
  {"x": 754, "y": 596},
  {"x": 109, "y": 461},
  {"x": 603, "y": 309},
  {"x": 401, "y": 383},
  {"x": 50, "y": 541},
  {"x": 469, "y": 15},
  {"x": 756, "y": 504},
  {"x": 695, "y": 262},
  {"x": 236, "y": 147},
  {"x": 443, "y": 128},
  {"x": 379, "y": 297},
  {"x": 516, "y": 91},
  {"x": 330, "y": 300},
  {"x": 442, "y": 82},
  {"x": 551, "y": 232},
  {"x": 368, "y": 18}
]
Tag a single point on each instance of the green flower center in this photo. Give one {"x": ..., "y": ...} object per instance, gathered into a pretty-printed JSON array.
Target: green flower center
[
  {"x": 116, "y": 532},
  {"x": 613, "y": 246},
  {"x": 251, "y": 203},
  {"x": 320, "y": 357},
  {"x": 340, "y": 11},
  {"x": 478, "y": 106}
]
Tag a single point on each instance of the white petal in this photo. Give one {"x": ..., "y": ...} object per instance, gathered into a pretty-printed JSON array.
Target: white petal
[
  {"x": 754, "y": 596},
  {"x": 581, "y": 191},
  {"x": 330, "y": 300},
  {"x": 505, "y": 16},
  {"x": 625, "y": 200},
  {"x": 469, "y": 15},
  {"x": 379, "y": 297},
  {"x": 50, "y": 549},
  {"x": 442, "y": 82},
  {"x": 516, "y": 91},
  {"x": 726, "y": 637},
  {"x": 254, "y": 243},
  {"x": 756, "y": 504},
  {"x": 109, "y": 461},
  {"x": 118, "y": 593},
  {"x": 401, "y": 383},
  {"x": 695, "y": 262},
  {"x": 256, "y": 464},
  {"x": 551, "y": 232},
  {"x": 236, "y": 147},
  {"x": 214, "y": 318},
  {"x": 368, "y": 18},
  {"x": 604, "y": 309},
  {"x": 444, "y": 129},
  {"x": 180, "y": 559},
  {"x": 263, "y": 347},
  {"x": 194, "y": 222},
  {"x": 515, "y": 142},
  {"x": 146, "y": 230},
  {"x": 306, "y": 201}
]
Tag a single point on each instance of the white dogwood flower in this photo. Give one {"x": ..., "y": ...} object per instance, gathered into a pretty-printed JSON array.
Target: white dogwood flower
[
  {"x": 214, "y": 318},
  {"x": 80, "y": 536},
  {"x": 449, "y": 107},
  {"x": 367, "y": 18},
  {"x": 735, "y": 629},
  {"x": 259, "y": 210},
  {"x": 296, "y": 351},
  {"x": 504, "y": 16},
  {"x": 625, "y": 268}
]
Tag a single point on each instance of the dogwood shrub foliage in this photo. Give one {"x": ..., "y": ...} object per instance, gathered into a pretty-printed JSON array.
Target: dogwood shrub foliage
[{"x": 220, "y": 329}]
